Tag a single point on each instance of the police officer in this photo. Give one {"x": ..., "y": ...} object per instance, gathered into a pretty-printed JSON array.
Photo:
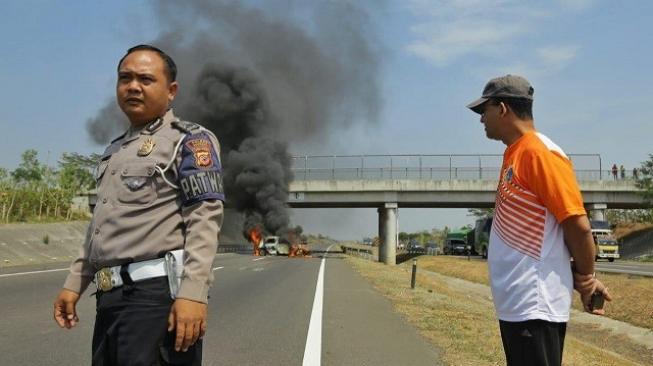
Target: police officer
[{"x": 159, "y": 190}]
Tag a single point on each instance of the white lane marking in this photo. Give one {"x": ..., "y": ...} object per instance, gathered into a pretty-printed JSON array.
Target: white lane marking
[
  {"x": 258, "y": 259},
  {"x": 313, "y": 349},
  {"x": 217, "y": 268},
  {"x": 33, "y": 272}
]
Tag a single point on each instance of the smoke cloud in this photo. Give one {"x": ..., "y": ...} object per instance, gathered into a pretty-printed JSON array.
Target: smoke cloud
[{"x": 261, "y": 79}]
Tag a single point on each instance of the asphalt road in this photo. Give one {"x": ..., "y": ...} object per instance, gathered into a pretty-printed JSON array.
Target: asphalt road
[
  {"x": 618, "y": 266},
  {"x": 641, "y": 269},
  {"x": 260, "y": 313}
]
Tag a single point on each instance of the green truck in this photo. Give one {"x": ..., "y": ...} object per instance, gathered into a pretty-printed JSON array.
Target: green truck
[
  {"x": 458, "y": 242},
  {"x": 481, "y": 241}
]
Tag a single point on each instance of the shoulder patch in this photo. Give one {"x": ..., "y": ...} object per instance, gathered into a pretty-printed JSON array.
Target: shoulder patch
[{"x": 200, "y": 171}]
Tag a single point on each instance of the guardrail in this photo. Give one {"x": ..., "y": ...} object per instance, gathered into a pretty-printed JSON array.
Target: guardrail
[
  {"x": 360, "y": 250},
  {"x": 431, "y": 167},
  {"x": 234, "y": 248}
]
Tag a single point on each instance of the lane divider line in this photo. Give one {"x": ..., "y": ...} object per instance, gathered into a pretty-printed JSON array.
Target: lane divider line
[
  {"x": 33, "y": 272},
  {"x": 258, "y": 259},
  {"x": 217, "y": 268},
  {"x": 313, "y": 348}
]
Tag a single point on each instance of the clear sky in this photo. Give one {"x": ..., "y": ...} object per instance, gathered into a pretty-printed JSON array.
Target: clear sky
[{"x": 588, "y": 60}]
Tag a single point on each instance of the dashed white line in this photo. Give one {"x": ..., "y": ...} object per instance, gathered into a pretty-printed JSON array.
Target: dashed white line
[
  {"x": 217, "y": 268},
  {"x": 258, "y": 259},
  {"x": 33, "y": 272}
]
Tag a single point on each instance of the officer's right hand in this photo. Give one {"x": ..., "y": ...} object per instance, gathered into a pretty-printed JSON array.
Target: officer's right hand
[{"x": 64, "y": 308}]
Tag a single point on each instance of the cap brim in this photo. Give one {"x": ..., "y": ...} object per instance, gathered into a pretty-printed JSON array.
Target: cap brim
[{"x": 476, "y": 105}]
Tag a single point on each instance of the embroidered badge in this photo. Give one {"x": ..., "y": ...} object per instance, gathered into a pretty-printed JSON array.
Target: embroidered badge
[
  {"x": 147, "y": 147},
  {"x": 508, "y": 176},
  {"x": 201, "y": 149}
]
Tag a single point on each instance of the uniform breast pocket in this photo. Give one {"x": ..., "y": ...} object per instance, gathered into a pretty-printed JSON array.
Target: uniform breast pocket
[{"x": 137, "y": 185}]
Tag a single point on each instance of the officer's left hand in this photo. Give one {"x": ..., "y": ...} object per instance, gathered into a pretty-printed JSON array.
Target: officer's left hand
[{"x": 189, "y": 318}]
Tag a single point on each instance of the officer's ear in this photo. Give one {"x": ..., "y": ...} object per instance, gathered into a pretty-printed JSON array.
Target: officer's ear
[{"x": 172, "y": 91}]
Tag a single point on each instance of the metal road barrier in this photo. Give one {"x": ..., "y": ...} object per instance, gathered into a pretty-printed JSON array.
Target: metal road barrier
[
  {"x": 234, "y": 248},
  {"x": 427, "y": 167},
  {"x": 358, "y": 250}
]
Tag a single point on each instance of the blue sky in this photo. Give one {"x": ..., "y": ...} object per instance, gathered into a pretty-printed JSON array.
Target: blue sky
[{"x": 589, "y": 61}]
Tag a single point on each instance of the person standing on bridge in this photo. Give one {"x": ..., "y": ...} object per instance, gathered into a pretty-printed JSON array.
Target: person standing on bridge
[
  {"x": 154, "y": 232},
  {"x": 539, "y": 225}
]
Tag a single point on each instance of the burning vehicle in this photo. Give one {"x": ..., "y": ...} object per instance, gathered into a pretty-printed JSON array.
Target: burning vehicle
[{"x": 275, "y": 245}]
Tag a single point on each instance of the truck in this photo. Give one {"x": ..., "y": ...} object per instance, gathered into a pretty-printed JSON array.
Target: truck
[
  {"x": 606, "y": 245},
  {"x": 481, "y": 241},
  {"x": 458, "y": 242}
]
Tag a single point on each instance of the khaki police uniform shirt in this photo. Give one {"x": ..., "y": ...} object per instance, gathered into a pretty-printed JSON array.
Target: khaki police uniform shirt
[{"x": 138, "y": 216}]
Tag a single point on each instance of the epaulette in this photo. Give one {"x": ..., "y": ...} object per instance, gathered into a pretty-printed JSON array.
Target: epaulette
[
  {"x": 186, "y": 127},
  {"x": 118, "y": 138}
]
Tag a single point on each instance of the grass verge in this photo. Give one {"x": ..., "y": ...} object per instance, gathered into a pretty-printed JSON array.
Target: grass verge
[
  {"x": 461, "y": 325},
  {"x": 631, "y": 294}
]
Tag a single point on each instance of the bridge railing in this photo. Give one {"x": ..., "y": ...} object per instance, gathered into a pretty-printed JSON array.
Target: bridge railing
[{"x": 588, "y": 167}]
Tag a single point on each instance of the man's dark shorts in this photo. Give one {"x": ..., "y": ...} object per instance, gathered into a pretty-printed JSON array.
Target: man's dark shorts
[
  {"x": 533, "y": 342},
  {"x": 131, "y": 328}
]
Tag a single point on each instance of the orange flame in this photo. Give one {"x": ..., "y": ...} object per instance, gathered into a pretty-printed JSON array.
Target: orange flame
[{"x": 255, "y": 237}]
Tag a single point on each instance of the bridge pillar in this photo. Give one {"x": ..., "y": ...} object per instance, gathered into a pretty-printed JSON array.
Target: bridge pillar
[
  {"x": 597, "y": 211},
  {"x": 388, "y": 234}
]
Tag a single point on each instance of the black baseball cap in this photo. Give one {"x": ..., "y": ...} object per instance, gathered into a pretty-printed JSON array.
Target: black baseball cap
[{"x": 509, "y": 86}]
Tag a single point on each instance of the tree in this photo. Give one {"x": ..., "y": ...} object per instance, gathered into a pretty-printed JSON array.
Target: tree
[
  {"x": 645, "y": 179},
  {"x": 481, "y": 213},
  {"x": 618, "y": 216},
  {"x": 76, "y": 172},
  {"x": 30, "y": 171}
]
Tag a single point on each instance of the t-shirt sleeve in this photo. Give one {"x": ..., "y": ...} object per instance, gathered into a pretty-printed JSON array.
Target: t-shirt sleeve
[
  {"x": 551, "y": 177},
  {"x": 200, "y": 170}
]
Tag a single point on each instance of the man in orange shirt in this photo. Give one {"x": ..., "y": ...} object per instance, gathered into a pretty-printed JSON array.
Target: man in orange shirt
[{"x": 539, "y": 225}]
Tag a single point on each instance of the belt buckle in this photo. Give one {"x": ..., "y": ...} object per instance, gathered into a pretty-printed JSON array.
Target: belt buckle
[{"x": 103, "y": 278}]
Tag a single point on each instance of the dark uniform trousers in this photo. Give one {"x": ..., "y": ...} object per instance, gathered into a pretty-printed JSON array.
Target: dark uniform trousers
[
  {"x": 533, "y": 342},
  {"x": 131, "y": 327}
]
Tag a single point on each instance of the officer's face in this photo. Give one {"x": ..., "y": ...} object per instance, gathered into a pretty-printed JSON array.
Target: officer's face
[{"x": 143, "y": 90}]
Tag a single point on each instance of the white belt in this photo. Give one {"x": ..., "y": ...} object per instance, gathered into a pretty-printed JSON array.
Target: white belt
[{"x": 109, "y": 277}]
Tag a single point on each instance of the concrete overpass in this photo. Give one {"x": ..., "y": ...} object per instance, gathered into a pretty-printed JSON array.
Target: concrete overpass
[
  {"x": 438, "y": 194},
  {"x": 389, "y": 195},
  {"x": 390, "y": 182}
]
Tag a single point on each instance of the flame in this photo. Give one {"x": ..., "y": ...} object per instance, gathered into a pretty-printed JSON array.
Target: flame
[
  {"x": 299, "y": 250},
  {"x": 255, "y": 237}
]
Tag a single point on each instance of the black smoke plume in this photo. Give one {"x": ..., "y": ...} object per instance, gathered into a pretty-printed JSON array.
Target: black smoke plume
[{"x": 262, "y": 78}]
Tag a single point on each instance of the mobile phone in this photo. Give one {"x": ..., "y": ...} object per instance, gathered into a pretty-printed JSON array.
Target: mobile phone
[{"x": 596, "y": 301}]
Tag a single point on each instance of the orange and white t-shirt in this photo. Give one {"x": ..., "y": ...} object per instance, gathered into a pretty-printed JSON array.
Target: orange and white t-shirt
[{"x": 530, "y": 273}]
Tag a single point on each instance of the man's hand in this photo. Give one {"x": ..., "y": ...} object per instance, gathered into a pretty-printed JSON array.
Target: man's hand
[
  {"x": 586, "y": 285},
  {"x": 64, "y": 309},
  {"x": 189, "y": 318}
]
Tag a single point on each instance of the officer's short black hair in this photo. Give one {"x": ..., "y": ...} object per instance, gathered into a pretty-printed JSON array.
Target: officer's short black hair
[
  {"x": 171, "y": 67},
  {"x": 522, "y": 108}
]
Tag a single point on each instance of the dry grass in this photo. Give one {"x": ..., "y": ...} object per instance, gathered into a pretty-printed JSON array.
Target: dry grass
[
  {"x": 461, "y": 325},
  {"x": 631, "y": 294},
  {"x": 626, "y": 229}
]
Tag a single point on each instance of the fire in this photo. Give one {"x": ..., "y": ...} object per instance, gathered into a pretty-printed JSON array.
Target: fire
[
  {"x": 255, "y": 237},
  {"x": 299, "y": 250}
]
